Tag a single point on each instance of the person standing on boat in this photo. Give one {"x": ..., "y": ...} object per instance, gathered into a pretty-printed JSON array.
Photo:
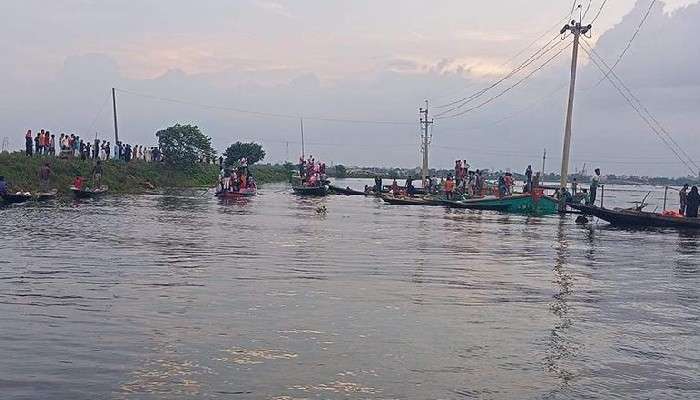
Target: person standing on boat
[
  {"x": 683, "y": 194},
  {"x": 574, "y": 188},
  {"x": 377, "y": 184},
  {"x": 693, "y": 202},
  {"x": 593, "y": 192},
  {"x": 528, "y": 179},
  {"x": 449, "y": 188},
  {"x": 409, "y": 186},
  {"x": 29, "y": 143},
  {"x": 508, "y": 179}
]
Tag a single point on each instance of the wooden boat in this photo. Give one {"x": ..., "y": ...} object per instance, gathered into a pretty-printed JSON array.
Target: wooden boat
[
  {"x": 88, "y": 193},
  {"x": 632, "y": 218},
  {"x": 345, "y": 191},
  {"x": 46, "y": 196},
  {"x": 16, "y": 198},
  {"x": 474, "y": 205},
  {"x": 517, "y": 204},
  {"x": 410, "y": 201},
  {"x": 246, "y": 192},
  {"x": 311, "y": 190}
]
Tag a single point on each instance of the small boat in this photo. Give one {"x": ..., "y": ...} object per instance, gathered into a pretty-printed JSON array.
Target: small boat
[
  {"x": 16, "y": 198},
  {"x": 634, "y": 218},
  {"x": 517, "y": 204},
  {"x": 311, "y": 190},
  {"x": 346, "y": 191},
  {"x": 88, "y": 193},
  {"x": 410, "y": 201},
  {"x": 246, "y": 192},
  {"x": 474, "y": 205},
  {"x": 46, "y": 196}
]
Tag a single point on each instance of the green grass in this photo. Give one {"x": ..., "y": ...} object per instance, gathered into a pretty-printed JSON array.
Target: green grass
[{"x": 22, "y": 173}]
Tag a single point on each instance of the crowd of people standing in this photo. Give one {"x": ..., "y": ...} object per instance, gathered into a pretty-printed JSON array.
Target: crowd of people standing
[
  {"x": 72, "y": 146},
  {"x": 311, "y": 172}
]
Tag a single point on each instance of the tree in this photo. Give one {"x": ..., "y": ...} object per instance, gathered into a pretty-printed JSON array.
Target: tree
[
  {"x": 184, "y": 145},
  {"x": 341, "y": 171},
  {"x": 253, "y": 153}
]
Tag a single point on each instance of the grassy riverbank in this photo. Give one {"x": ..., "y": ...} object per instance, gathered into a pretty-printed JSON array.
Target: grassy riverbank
[{"x": 22, "y": 172}]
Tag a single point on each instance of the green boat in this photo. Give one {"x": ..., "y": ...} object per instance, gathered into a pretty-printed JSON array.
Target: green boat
[{"x": 516, "y": 204}]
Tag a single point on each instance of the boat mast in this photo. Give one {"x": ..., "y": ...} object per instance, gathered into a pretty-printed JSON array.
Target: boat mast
[
  {"x": 577, "y": 30},
  {"x": 301, "y": 121}
]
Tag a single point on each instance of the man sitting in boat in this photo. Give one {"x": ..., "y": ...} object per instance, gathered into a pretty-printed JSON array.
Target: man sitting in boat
[
  {"x": 313, "y": 180},
  {"x": 79, "y": 183},
  {"x": 410, "y": 190},
  {"x": 233, "y": 182},
  {"x": 3, "y": 186},
  {"x": 395, "y": 190}
]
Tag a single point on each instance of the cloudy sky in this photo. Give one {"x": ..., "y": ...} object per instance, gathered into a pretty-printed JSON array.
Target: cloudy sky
[{"x": 355, "y": 60}]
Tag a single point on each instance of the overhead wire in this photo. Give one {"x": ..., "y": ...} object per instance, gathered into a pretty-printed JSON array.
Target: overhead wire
[
  {"x": 533, "y": 57},
  {"x": 628, "y": 45},
  {"x": 264, "y": 113},
  {"x": 99, "y": 113},
  {"x": 647, "y": 118},
  {"x": 644, "y": 108},
  {"x": 520, "y": 67},
  {"x": 508, "y": 89},
  {"x": 600, "y": 11}
]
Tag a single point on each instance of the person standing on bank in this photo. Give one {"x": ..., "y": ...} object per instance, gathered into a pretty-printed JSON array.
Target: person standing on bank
[{"x": 595, "y": 181}]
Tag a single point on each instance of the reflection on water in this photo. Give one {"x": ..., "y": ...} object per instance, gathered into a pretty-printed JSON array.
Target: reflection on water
[
  {"x": 561, "y": 349},
  {"x": 181, "y": 295}
]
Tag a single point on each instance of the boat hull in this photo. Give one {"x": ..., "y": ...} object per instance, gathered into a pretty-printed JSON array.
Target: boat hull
[
  {"x": 638, "y": 219},
  {"x": 410, "y": 201},
  {"x": 345, "y": 191},
  {"x": 16, "y": 198},
  {"x": 316, "y": 191},
  {"x": 89, "y": 193},
  {"x": 518, "y": 204},
  {"x": 238, "y": 194}
]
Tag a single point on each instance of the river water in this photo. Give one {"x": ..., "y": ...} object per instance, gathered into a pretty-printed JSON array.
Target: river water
[{"x": 178, "y": 296}]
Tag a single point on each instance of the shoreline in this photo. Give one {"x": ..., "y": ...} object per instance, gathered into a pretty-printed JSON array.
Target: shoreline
[{"x": 135, "y": 177}]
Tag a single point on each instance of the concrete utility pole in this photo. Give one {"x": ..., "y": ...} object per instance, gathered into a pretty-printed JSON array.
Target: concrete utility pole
[
  {"x": 544, "y": 159},
  {"x": 114, "y": 109},
  {"x": 301, "y": 122},
  {"x": 425, "y": 124},
  {"x": 577, "y": 30}
]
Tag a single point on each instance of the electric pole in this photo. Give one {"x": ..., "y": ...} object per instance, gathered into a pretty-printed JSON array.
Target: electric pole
[
  {"x": 577, "y": 30},
  {"x": 425, "y": 124},
  {"x": 114, "y": 109},
  {"x": 301, "y": 122},
  {"x": 544, "y": 159}
]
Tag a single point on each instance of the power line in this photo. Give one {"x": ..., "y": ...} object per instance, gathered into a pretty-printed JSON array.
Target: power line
[
  {"x": 263, "y": 113},
  {"x": 534, "y": 57},
  {"x": 647, "y": 119},
  {"x": 521, "y": 66},
  {"x": 600, "y": 11},
  {"x": 588, "y": 8},
  {"x": 645, "y": 109},
  {"x": 628, "y": 45},
  {"x": 99, "y": 113},
  {"x": 508, "y": 89}
]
